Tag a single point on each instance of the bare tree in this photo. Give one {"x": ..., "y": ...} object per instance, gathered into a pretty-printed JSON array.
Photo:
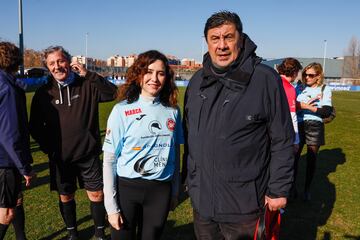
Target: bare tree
[
  {"x": 32, "y": 58},
  {"x": 352, "y": 60}
]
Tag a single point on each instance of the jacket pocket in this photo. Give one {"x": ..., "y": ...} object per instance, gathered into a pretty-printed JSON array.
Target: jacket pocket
[
  {"x": 236, "y": 198},
  {"x": 78, "y": 145}
]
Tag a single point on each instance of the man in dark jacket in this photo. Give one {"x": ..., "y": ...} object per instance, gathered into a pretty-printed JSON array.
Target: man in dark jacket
[
  {"x": 239, "y": 135},
  {"x": 15, "y": 157},
  {"x": 64, "y": 120}
]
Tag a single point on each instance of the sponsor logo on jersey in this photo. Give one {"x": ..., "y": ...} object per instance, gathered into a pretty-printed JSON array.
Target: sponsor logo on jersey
[
  {"x": 139, "y": 166},
  {"x": 170, "y": 123},
  {"x": 140, "y": 117},
  {"x": 154, "y": 127},
  {"x": 158, "y": 145},
  {"x": 136, "y": 148},
  {"x": 155, "y": 163},
  {"x": 132, "y": 111}
]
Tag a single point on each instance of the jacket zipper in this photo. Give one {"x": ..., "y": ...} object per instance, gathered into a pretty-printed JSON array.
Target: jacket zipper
[{"x": 203, "y": 98}]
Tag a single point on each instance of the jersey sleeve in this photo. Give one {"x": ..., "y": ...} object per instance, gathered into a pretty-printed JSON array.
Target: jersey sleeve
[
  {"x": 179, "y": 138},
  {"x": 302, "y": 98},
  {"x": 114, "y": 132},
  {"x": 326, "y": 98}
]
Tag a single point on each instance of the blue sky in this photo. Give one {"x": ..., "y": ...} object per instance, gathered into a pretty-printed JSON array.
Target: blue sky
[{"x": 280, "y": 28}]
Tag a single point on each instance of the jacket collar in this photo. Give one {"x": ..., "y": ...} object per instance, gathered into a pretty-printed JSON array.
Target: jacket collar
[
  {"x": 239, "y": 73},
  {"x": 72, "y": 79}
]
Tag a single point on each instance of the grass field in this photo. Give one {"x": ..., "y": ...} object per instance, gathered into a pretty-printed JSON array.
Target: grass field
[{"x": 334, "y": 212}]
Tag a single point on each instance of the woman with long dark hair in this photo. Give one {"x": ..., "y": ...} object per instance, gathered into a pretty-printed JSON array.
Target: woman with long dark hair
[{"x": 141, "y": 150}]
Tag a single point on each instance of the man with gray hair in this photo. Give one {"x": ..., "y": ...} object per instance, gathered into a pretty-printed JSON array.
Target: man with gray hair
[
  {"x": 64, "y": 120},
  {"x": 238, "y": 135}
]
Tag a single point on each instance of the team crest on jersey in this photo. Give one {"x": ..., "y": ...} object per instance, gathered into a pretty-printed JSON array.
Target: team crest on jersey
[
  {"x": 170, "y": 123},
  {"x": 132, "y": 111}
]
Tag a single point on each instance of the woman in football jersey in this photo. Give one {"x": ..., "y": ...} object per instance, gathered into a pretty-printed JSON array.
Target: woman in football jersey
[
  {"x": 315, "y": 103},
  {"x": 141, "y": 150}
]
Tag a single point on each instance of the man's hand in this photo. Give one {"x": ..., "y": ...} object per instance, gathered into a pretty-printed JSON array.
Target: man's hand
[
  {"x": 78, "y": 68},
  {"x": 29, "y": 178},
  {"x": 275, "y": 204},
  {"x": 115, "y": 220}
]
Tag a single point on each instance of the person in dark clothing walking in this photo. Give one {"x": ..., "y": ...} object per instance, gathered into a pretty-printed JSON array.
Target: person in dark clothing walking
[
  {"x": 64, "y": 120},
  {"x": 15, "y": 156},
  {"x": 238, "y": 135}
]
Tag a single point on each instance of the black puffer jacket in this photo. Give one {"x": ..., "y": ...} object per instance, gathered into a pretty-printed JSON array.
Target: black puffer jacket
[{"x": 239, "y": 138}]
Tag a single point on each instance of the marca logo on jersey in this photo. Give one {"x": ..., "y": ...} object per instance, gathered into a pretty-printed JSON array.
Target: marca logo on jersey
[{"x": 132, "y": 111}]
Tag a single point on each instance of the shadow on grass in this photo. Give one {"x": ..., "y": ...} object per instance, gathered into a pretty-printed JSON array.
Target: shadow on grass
[
  {"x": 39, "y": 181},
  {"x": 34, "y": 147},
  {"x": 352, "y": 237},
  {"x": 86, "y": 233},
  {"x": 301, "y": 219},
  {"x": 183, "y": 232}
]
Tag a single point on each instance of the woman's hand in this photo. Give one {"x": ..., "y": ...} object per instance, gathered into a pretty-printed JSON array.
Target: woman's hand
[
  {"x": 115, "y": 220},
  {"x": 311, "y": 105}
]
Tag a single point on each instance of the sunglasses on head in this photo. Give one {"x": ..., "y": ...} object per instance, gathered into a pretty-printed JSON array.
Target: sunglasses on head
[{"x": 311, "y": 75}]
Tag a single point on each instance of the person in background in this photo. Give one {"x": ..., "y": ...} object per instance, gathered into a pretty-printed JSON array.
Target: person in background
[
  {"x": 141, "y": 150},
  {"x": 239, "y": 137},
  {"x": 315, "y": 104},
  {"x": 289, "y": 70},
  {"x": 64, "y": 120},
  {"x": 15, "y": 156}
]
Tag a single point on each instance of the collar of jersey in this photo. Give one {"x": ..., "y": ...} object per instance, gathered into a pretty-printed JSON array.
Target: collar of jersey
[{"x": 149, "y": 100}]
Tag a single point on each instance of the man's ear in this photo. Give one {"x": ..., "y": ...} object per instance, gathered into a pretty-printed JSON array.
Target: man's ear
[{"x": 241, "y": 40}]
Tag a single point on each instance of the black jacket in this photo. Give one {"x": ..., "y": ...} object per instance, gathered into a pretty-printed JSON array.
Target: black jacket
[
  {"x": 14, "y": 132},
  {"x": 239, "y": 138},
  {"x": 65, "y": 120}
]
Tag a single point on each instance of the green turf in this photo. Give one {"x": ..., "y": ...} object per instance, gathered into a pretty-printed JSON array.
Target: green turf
[{"x": 334, "y": 212}]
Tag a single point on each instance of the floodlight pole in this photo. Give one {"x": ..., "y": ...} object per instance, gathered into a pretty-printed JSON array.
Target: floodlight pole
[
  {"x": 21, "y": 39},
  {"x": 86, "y": 49},
  {"x": 324, "y": 62}
]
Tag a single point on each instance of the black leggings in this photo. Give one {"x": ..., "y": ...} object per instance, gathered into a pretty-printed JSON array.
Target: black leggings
[
  {"x": 311, "y": 158},
  {"x": 144, "y": 206}
]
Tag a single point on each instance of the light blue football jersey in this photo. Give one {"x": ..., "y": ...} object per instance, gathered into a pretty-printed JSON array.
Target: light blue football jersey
[
  {"x": 142, "y": 135},
  {"x": 309, "y": 93}
]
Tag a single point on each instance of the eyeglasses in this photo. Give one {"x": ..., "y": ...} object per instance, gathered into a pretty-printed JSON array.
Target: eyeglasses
[{"x": 311, "y": 75}]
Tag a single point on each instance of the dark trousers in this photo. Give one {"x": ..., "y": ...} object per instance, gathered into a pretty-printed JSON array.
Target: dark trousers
[
  {"x": 144, "y": 206},
  {"x": 211, "y": 230}
]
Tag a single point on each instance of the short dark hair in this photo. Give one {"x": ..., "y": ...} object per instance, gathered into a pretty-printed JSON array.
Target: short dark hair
[
  {"x": 52, "y": 49},
  {"x": 221, "y": 18},
  {"x": 289, "y": 67},
  {"x": 10, "y": 57}
]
